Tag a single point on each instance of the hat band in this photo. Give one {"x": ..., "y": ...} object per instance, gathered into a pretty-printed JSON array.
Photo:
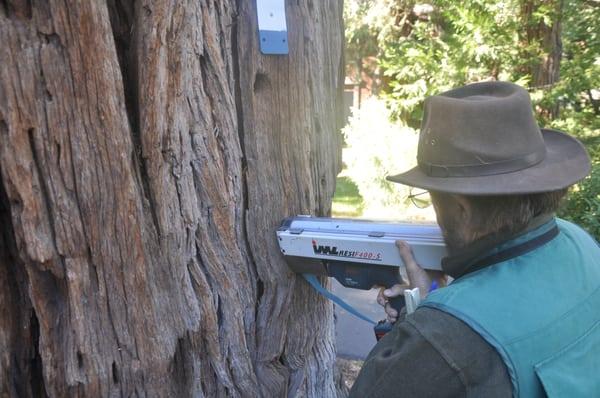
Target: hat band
[{"x": 483, "y": 169}]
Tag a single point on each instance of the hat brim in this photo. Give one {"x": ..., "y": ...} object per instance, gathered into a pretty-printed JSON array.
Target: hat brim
[{"x": 566, "y": 163}]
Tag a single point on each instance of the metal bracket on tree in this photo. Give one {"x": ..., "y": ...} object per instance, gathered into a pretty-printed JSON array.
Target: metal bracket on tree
[{"x": 272, "y": 27}]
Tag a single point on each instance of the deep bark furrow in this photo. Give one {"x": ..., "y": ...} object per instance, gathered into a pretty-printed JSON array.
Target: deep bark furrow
[
  {"x": 45, "y": 198},
  {"x": 18, "y": 348},
  {"x": 243, "y": 208},
  {"x": 36, "y": 378},
  {"x": 122, "y": 20}
]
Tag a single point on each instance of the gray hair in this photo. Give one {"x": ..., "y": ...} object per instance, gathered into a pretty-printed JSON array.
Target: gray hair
[
  {"x": 499, "y": 215},
  {"x": 509, "y": 214}
]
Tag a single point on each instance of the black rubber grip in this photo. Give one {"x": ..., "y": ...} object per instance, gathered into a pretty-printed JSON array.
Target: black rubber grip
[{"x": 397, "y": 302}]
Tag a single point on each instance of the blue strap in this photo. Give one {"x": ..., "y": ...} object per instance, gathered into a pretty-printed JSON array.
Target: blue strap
[{"x": 314, "y": 282}]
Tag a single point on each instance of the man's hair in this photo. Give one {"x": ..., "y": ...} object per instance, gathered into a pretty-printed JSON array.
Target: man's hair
[
  {"x": 509, "y": 214},
  {"x": 499, "y": 215}
]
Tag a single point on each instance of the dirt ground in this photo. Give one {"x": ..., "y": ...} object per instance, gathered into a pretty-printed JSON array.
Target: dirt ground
[{"x": 348, "y": 369}]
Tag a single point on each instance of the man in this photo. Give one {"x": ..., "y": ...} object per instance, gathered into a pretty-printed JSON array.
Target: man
[{"x": 522, "y": 315}]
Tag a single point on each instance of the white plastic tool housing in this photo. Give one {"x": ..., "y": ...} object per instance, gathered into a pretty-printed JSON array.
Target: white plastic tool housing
[{"x": 359, "y": 241}]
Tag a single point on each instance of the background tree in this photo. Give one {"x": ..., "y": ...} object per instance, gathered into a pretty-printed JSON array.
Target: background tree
[
  {"x": 541, "y": 46},
  {"x": 148, "y": 151}
]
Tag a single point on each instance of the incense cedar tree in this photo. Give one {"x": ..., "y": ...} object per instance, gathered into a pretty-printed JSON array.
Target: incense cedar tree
[{"x": 148, "y": 151}]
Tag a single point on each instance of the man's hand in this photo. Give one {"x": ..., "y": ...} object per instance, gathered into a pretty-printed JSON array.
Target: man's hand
[{"x": 417, "y": 277}]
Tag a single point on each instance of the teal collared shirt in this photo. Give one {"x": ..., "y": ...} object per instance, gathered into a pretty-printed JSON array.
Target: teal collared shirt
[{"x": 536, "y": 300}]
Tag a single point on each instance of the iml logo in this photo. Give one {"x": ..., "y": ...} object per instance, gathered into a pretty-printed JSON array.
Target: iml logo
[
  {"x": 325, "y": 250},
  {"x": 321, "y": 249}
]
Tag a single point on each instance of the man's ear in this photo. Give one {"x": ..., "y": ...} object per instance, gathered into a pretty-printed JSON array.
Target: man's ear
[{"x": 463, "y": 207}]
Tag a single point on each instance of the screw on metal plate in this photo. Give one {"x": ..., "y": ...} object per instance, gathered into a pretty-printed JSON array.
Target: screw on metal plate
[{"x": 272, "y": 27}]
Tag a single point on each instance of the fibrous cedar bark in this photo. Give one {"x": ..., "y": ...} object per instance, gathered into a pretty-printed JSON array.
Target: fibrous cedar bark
[{"x": 148, "y": 152}]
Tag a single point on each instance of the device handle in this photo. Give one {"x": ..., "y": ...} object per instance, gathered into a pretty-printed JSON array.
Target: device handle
[
  {"x": 366, "y": 276},
  {"x": 397, "y": 302}
]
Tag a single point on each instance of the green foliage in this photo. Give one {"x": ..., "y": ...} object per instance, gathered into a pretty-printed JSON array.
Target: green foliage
[
  {"x": 582, "y": 205},
  {"x": 376, "y": 148},
  {"x": 579, "y": 108},
  {"x": 577, "y": 90},
  {"x": 452, "y": 44},
  {"x": 362, "y": 18},
  {"x": 424, "y": 49}
]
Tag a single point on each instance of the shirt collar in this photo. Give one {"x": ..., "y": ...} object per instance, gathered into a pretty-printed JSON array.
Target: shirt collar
[{"x": 495, "y": 248}]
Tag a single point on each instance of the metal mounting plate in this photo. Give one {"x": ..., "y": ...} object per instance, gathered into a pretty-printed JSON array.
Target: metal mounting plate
[{"x": 272, "y": 27}]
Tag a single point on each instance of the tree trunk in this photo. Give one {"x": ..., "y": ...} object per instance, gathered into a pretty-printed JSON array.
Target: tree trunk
[
  {"x": 541, "y": 46},
  {"x": 148, "y": 152}
]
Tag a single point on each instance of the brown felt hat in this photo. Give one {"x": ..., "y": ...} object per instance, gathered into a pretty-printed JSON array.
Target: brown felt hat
[{"x": 482, "y": 139}]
